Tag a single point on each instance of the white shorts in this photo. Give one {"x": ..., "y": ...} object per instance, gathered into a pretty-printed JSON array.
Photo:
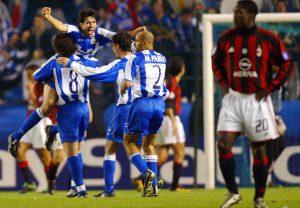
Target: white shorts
[
  {"x": 37, "y": 136},
  {"x": 242, "y": 113},
  {"x": 165, "y": 134}
]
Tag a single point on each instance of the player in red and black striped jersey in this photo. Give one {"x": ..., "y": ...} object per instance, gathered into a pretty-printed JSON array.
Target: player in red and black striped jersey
[
  {"x": 171, "y": 133},
  {"x": 35, "y": 138},
  {"x": 242, "y": 65}
]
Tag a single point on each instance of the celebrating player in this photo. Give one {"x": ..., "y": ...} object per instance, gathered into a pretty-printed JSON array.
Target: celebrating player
[
  {"x": 113, "y": 72},
  {"x": 145, "y": 73},
  {"x": 88, "y": 37},
  {"x": 73, "y": 96},
  {"x": 242, "y": 65},
  {"x": 36, "y": 137},
  {"x": 171, "y": 134}
]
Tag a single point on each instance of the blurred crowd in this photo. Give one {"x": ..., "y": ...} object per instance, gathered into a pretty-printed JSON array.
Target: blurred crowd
[{"x": 25, "y": 37}]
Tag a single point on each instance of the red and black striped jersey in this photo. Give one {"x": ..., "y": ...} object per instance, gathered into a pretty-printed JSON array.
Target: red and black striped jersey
[
  {"x": 243, "y": 60},
  {"x": 174, "y": 99}
]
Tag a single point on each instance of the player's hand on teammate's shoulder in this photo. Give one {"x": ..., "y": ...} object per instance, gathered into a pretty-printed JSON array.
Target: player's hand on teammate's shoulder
[
  {"x": 46, "y": 11},
  {"x": 262, "y": 94},
  {"x": 63, "y": 61}
]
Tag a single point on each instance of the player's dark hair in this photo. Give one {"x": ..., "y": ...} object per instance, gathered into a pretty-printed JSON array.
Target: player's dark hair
[
  {"x": 64, "y": 45},
  {"x": 84, "y": 13},
  {"x": 249, "y": 5},
  {"x": 175, "y": 66},
  {"x": 123, "y": 39},
  {"x": 32, "y": 67}
]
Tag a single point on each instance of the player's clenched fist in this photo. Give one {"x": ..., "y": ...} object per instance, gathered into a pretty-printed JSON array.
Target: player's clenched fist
[{"x": 46, "y": 11}]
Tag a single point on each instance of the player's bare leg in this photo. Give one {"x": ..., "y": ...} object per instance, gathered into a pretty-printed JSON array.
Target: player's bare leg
[
  {"x": 49, "y": 101},
  {"x": 45, "y": 157},
  {"x": 58, "y": 155},
  {"x": 260, "y": 172},
  {"x": 227, "y": 165},
  {"x": 162, "y": 154},
  {"x": 133, "y": 152},
  {"x": 29, "y": 184},
  {"x": 178, "y": 149}
]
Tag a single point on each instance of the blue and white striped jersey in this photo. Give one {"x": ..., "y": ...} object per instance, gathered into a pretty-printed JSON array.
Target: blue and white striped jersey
[
  {"x": 146, "y": 70},
  {"x": 88, "y": 46},
  {"x": 70, "y": 86},
  {"x": 113, "y": 72}
]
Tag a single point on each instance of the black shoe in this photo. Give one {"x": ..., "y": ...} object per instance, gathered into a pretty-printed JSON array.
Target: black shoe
[
  {"x": 148, "y": 189},
  {"x": 13, "y": 146},
  {"x": 49, "y": 138},
  {"x": 51, "y": 187},
  {"x": 104, "y": 195}
]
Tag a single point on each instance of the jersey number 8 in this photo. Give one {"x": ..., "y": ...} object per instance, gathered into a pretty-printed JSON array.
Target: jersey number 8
[{"x": 73, "y": 84}]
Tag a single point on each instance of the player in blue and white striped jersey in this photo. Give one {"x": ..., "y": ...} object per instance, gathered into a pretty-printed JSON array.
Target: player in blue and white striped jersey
[
  {"x": 145, "y": 74},
  {"x": 73, "y": 110},
  {"x": 88, "y": 37},
  {"x": 113, "y": 72}
]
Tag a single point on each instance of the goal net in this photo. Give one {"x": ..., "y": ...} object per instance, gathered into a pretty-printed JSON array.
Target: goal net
[{"x": 287, "y": 168}]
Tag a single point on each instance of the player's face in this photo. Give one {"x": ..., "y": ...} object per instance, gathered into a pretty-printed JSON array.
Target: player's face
[
  {"x": 242, "y": 19},
  {"x": 89, "y": 26},
  {"x": 115, "y": 50}
]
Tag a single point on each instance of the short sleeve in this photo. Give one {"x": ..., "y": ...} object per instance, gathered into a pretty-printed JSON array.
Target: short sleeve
[
  {"x": 73, "y": 31},
  {"x": 105, "y": 33},
  {"x": 130, "y": 68},
  {"x": 45, "y": 72}
]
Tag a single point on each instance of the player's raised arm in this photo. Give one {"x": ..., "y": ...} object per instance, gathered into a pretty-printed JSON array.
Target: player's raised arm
[
  {"x": 106, "y": 73},
  {"x": 60, "y": 26},
  {"x": 109, "y": 34},
  {"x": 133, "y": 33}
]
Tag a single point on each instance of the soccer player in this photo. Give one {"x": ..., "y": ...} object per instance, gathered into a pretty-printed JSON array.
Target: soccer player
[
  {"x": 73, "y": 110},
  {"x": 145, "y": 74},
  {"x": 242, "y": 64},
  {"x": 113, "y": 72},
  {"x": 35, "y": 138},
  {"x": 171, "y": 134},
  {"x": 88, "y": 37}
]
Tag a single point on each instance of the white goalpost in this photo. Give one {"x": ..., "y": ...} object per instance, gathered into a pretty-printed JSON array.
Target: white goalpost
[{"x": 208, "y": 81}]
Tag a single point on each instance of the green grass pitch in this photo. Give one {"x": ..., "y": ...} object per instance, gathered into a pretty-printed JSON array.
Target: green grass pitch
[{"x": 200, "y": 198}]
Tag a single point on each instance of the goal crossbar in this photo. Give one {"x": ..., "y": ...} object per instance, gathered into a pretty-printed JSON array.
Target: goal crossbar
[{"x": 208, "y": 82}]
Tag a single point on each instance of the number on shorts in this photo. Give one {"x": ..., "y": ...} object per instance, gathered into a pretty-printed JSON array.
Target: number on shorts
[
  {"x": 73, "y": 84},
  {"x": 261, "y": 125},
  {"x": 155, "y": 86}
]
